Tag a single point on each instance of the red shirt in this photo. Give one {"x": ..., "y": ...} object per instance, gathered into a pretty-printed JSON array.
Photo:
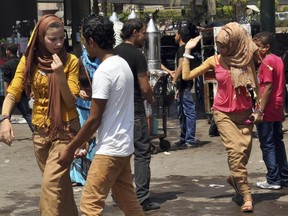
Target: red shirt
[
  {"x": 227, "y": 98},
  {"x": 274, "y": 108}
]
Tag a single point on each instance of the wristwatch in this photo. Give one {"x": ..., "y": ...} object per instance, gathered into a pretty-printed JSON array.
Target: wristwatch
[{"x": 3, "y": 117}]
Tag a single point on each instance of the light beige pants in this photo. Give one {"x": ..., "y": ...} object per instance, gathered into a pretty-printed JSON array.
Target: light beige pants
[
  {"x": 105, "y": 173},
  {"x": 237, "y": 139},
  {"x": 56, "y": 198}
]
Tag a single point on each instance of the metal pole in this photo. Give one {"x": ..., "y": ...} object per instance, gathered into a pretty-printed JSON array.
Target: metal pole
[{"x": 267, "y": 17}]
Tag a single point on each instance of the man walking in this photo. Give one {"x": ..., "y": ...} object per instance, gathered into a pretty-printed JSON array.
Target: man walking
[
  {"x": 111, "y": 116},
  {"x": 133, "y": 35}
]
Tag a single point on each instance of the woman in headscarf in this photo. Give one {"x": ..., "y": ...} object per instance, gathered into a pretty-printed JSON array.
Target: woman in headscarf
[
  {"x": 47, "y": 70},
  {"x": 232, "y": 108}
]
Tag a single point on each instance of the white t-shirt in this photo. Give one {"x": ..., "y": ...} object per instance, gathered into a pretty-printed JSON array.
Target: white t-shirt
[{"x": 113, "y": 80}]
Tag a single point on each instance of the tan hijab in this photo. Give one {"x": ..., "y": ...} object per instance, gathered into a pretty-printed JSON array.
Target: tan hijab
[
  {"x": 240, "y": 55},
  {"x": 37, "y": 55}
]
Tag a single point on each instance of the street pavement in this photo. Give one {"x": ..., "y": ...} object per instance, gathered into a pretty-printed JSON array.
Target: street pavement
[{"x": 189, "y": 182}]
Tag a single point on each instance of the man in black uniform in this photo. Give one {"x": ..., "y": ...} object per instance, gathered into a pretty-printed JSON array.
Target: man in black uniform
[
  {"x": 9, "y": 69},
  {"x": 133, "y": 34}
]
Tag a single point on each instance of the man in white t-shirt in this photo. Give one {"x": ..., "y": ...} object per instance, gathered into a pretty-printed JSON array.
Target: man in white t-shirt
[{"x": 112, "y": 117}]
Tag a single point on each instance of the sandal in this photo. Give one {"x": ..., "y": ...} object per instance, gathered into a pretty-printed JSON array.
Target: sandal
[
  {"x": 231, "y": 181},
  {"x": 247, "y": 205}
]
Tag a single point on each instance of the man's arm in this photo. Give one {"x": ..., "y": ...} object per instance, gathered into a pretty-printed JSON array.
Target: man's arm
[
  {"x": 85, "y": 133},
  {"x": 262, "y": 103},
  {"x": 145, "y": 87},
  {"x": 171, "y": 73},
  {"x": 178, "y": 72},
  {"x": 265, "y": 96}
]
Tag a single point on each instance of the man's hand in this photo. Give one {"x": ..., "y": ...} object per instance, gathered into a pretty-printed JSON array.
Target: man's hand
[
  {"x": 172, "y": 73},
  {"x": 257, "y": 117},
  {"x": 66, "y": 157}
]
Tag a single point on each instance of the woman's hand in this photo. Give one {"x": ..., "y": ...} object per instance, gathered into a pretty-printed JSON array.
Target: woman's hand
[
  {"x": 83, "y": 95},
  {"x": 6, "y": 132},
  {"x": 192, "y": 43},
  {"x": 82, "y": 151},
  {"x": 57, "y": 66}
]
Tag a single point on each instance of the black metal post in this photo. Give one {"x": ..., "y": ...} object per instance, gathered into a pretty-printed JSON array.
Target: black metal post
[{"x": 267, "y": 17}]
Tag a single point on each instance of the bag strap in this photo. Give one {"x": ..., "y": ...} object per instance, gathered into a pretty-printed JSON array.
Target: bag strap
[
  {"x": 87, "y": 73},
  {"x": 88, "y": 76}
]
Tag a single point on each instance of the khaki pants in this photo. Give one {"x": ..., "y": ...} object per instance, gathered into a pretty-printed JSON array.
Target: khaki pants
[
  {"x": 56, "y": 197},
  {"x": 107, "y": 173},
  {"x": 237, "y": 139}
]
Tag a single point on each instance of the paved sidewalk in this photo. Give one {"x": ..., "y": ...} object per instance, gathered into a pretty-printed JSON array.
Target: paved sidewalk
[{"x": 185, "y": 182}]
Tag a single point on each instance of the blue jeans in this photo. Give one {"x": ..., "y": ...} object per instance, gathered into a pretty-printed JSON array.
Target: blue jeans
[
  {"x": 273, "y": 151},
  {"x": 142, "y": 157},
  {"x": 187, "y": 116}
]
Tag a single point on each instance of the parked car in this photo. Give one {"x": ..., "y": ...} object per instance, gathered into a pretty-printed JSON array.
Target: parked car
[{"x": 281, "y": 15}]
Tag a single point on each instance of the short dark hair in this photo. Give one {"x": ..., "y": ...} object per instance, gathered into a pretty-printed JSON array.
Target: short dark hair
[
  {"x": 184, "y": 33},
  {"x": 13, "y": 48},
  {"x": 130, "y": 26},
  {"x": 264, "y": 37},
  {"x": 100, "y": 29}
]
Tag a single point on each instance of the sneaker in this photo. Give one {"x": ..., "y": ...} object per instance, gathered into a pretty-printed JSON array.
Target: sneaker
[
  {"x": 179, "y": 142},
  {"x": 194, "y": 144},
  {"x": 182, "y": 146},
  {"x": 147, "y": 205},
  {"x": 266, "y": 185}
]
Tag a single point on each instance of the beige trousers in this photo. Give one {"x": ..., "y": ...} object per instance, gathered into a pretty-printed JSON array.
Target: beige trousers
[
  {"x": 56, "y": 198},
  {"x": 105, "y": 173},
  {"x": 237, "y": 139}
]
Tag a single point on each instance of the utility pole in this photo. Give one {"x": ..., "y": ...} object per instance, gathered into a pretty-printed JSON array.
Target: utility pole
[
  {"x": 267, "y": 17},
  {"x": 192, "y": 4}
]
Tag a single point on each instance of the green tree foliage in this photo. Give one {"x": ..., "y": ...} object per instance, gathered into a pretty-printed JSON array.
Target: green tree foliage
[
  {"x": 228, "y": 12},
  {"x": 233, "y": 11}
]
